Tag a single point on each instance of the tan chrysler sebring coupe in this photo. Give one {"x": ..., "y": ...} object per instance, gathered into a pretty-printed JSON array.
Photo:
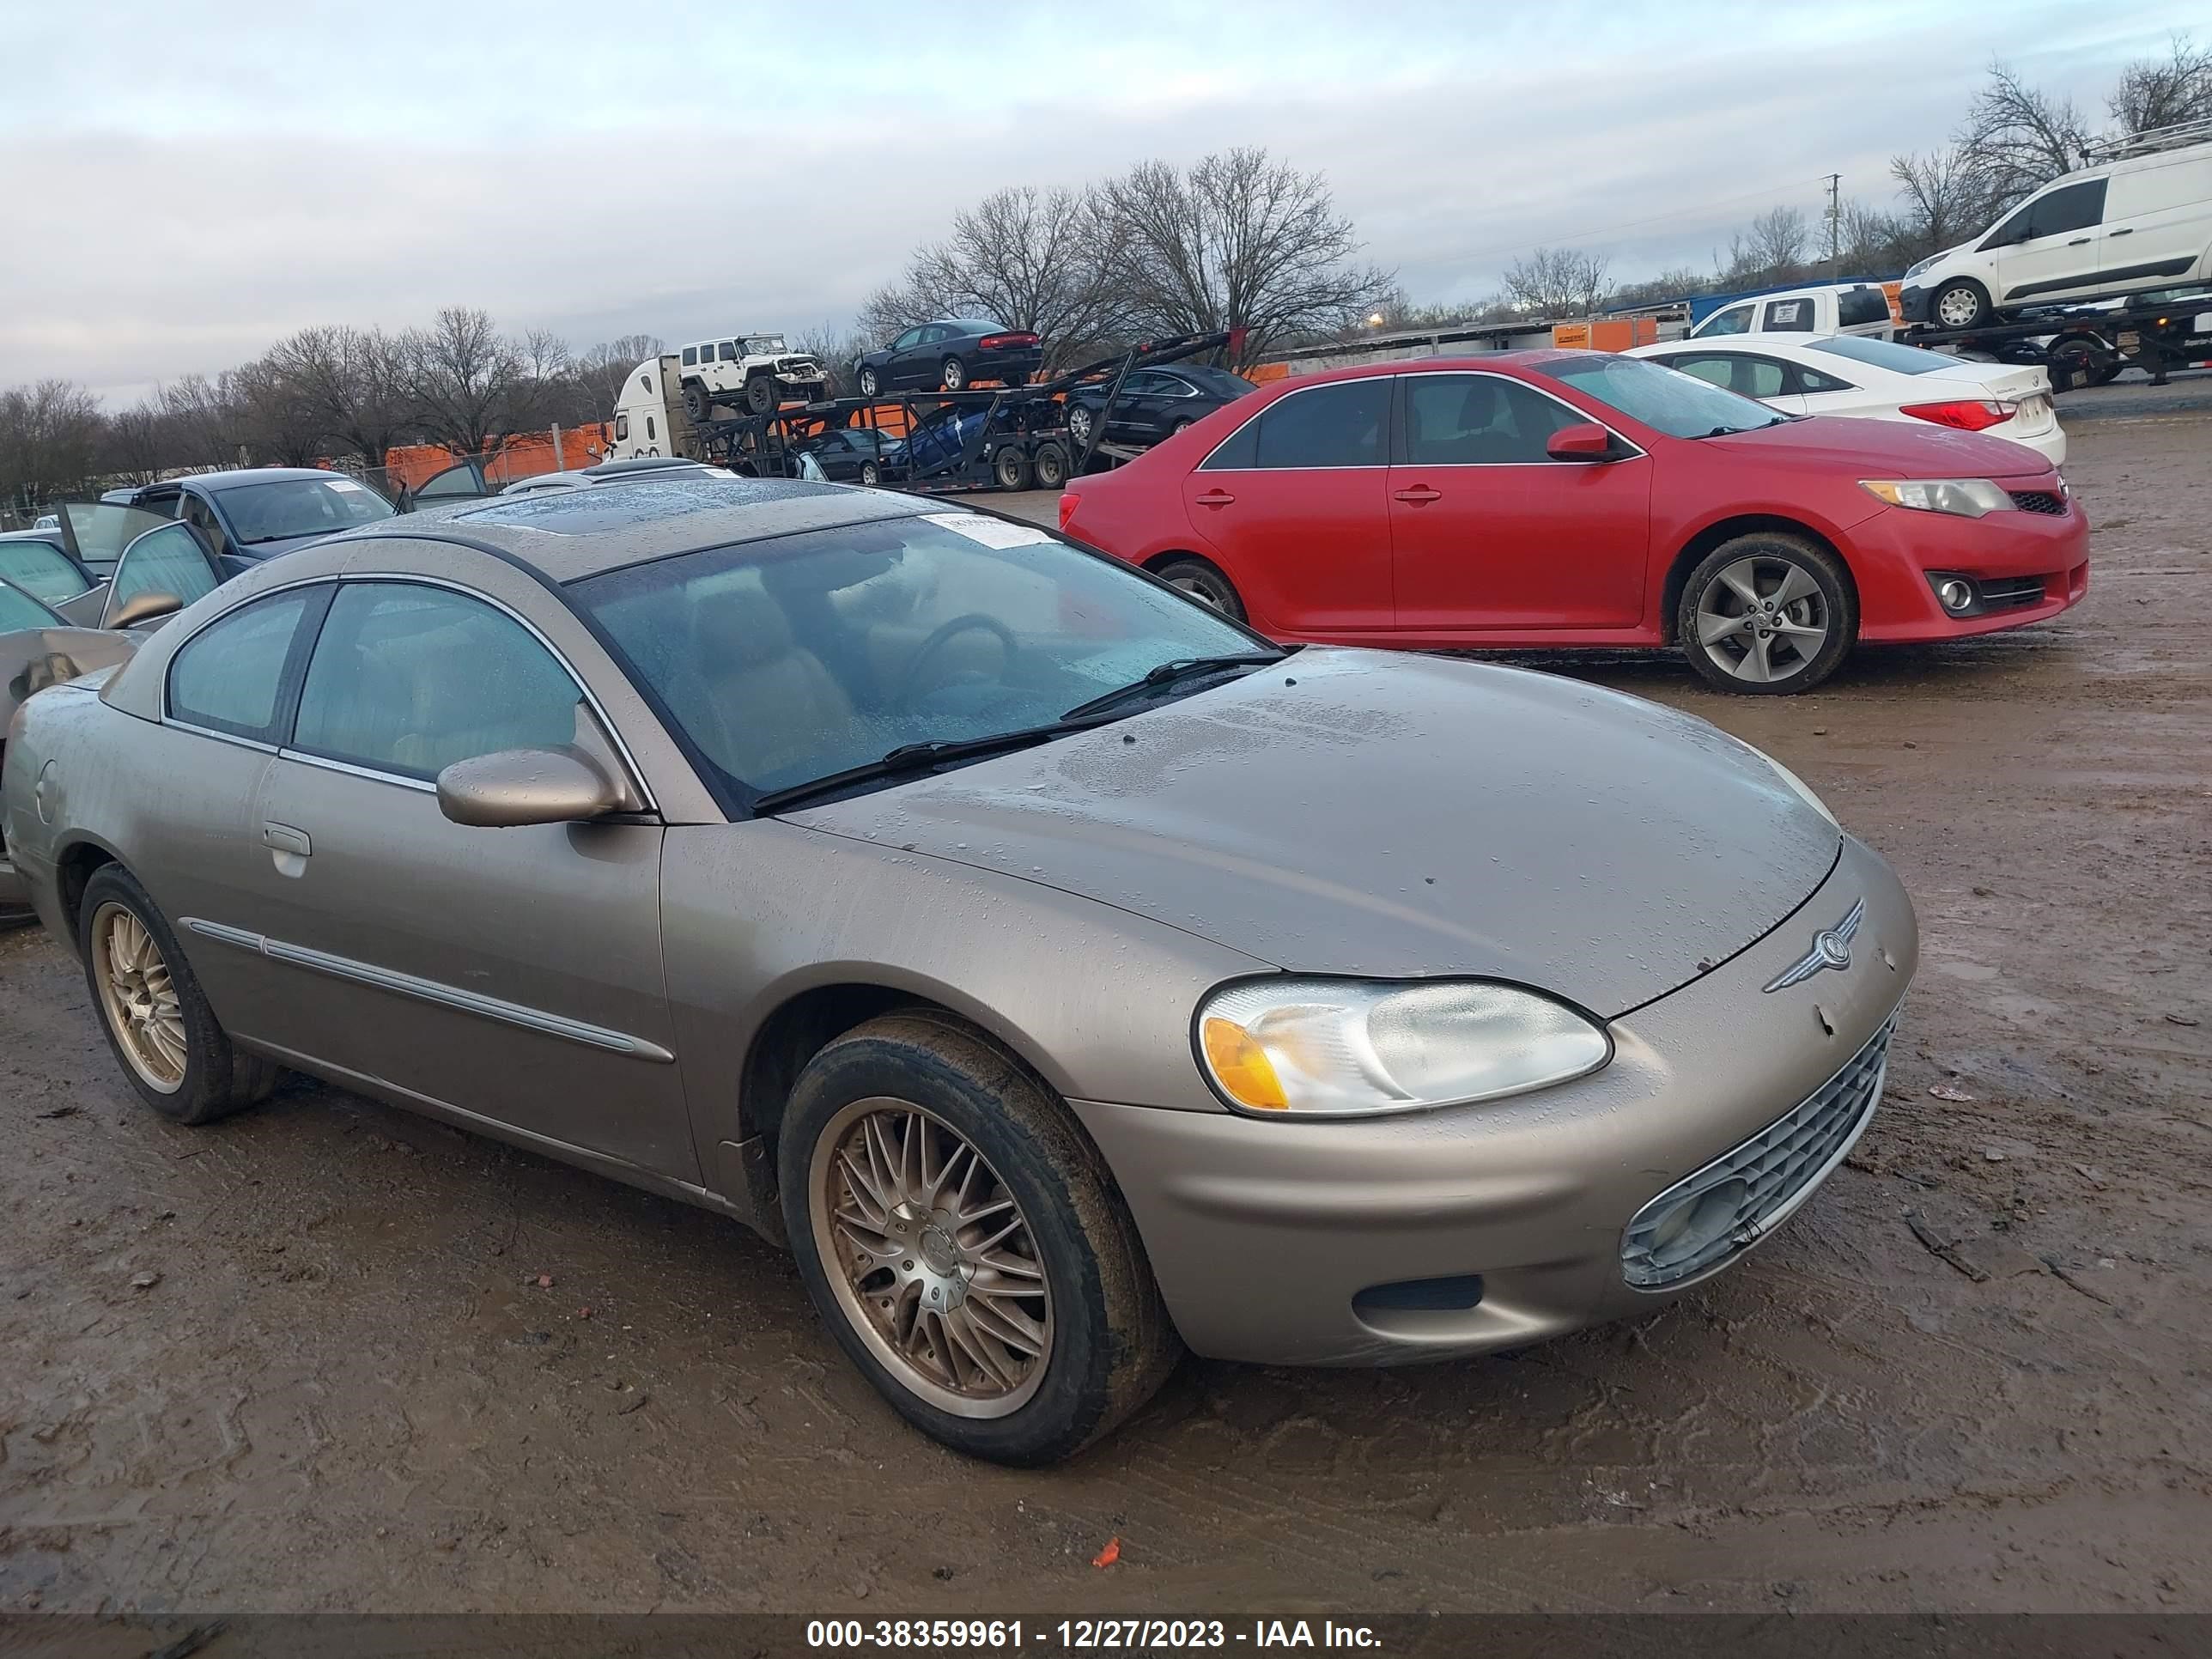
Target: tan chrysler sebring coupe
[{"x": 1067, "y": 975}]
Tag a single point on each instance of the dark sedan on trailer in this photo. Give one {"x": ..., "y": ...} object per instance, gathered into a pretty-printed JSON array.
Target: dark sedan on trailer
[
  {"x": 1067, "y": 973},
  {"x": 1153, "y": 403},
  {"x": 949, "y": 355}
]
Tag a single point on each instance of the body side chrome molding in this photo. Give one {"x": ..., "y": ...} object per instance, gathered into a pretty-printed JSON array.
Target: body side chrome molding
[{"x": 432, "y": 991}]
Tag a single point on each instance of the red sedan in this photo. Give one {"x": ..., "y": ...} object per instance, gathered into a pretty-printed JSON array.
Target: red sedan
[{"x": 1555, "y": 498}]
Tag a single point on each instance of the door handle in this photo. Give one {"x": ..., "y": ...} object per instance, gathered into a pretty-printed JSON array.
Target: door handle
[
  {"x": 1419, "y": 496},
  {"x": 2128, "y": 231},
  {"x": 2079, "y": 241},
  {"x": 1214, "y": 498},
  {"x": 283, "y": 838}
]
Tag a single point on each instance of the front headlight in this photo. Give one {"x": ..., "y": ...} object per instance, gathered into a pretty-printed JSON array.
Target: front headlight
[
  {"x": 1969, "y": 498},
  {"x": 1348, "y": 1048},
  {"x": 1919, "y": 265}
]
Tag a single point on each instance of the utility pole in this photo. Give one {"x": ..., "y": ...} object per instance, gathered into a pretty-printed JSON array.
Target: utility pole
[{"x": 1835, "y": 223}]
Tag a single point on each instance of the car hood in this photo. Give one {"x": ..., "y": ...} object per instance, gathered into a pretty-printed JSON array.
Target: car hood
[
  {"x": 1884, "y": 449},
  {"x": 1384, "y": 814}
]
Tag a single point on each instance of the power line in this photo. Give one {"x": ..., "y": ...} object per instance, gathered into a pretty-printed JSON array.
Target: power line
[{"x": 1609, "y": 232}]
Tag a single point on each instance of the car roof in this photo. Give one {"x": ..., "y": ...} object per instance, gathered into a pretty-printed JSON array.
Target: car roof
[
  {"x": 1518, "y": 364},
  {"x": 565, "y": 535},
  {"x": 250, "y": 475}
]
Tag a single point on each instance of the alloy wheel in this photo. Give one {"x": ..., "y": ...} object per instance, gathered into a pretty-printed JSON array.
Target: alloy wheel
[
  {"x": 1763, "y": 619},
  {"x": 1957, "y": 308},
  {"x": 930, "y": 1258},
  {"x": 139, "y": 998},
  {"x": 1079, "y": 423}
]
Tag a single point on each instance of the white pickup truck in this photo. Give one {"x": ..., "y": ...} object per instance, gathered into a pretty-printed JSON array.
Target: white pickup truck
[{"x": 1821, "y": 308}]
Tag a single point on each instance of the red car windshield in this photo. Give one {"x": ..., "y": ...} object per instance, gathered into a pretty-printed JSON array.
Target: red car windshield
[{"x": 1681, "y": 405}]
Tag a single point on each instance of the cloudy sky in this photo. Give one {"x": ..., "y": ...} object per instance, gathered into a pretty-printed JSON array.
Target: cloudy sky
[{"x": 186, "y": 180}]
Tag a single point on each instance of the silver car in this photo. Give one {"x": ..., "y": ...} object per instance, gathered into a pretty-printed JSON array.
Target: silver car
[{"x": 1067, "y": 975}]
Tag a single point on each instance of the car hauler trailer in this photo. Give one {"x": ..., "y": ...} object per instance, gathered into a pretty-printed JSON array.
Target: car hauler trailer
[
  {"x": 2090, "y": 344},
  {"x": 982, "y": 437}
]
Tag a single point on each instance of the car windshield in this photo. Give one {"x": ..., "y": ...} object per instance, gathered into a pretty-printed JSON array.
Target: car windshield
[
  {"x": 1677, "y": 404},
  {"x": 1882, "y": 354},
  {"x": 286, "y": 507},
  {"x": 792, "y": 659},
  {"x": 758, "y": 345},
  {"x": 19, "y": 610}
]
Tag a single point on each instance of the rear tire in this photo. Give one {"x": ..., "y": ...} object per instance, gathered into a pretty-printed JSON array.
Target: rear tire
[
  {"x": 1012, "y": 470},
  {"x": 1022, "y": 1351},
  {"x": 1203, "y": 582},
  {"x": 1959, "y": 303},
  {"x": 870, "y": 474},
  {"x": 1768, "y": 613},
  {"x": 159, "y": 1026},
  {"x": 1050, "y": 466}
]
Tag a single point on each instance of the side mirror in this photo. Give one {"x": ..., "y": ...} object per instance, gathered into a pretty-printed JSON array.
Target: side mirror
[
  {"x": 1585, "y": 441},
  {"x": 515, "y": 788},
  {"x": 140, "y": 608}
]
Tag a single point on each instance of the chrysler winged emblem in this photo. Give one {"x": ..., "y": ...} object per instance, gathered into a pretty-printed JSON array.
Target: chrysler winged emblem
[{"x": 1831, "y": 948}]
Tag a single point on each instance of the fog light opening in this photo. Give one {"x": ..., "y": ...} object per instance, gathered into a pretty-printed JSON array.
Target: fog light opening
[
  {"x": 1957, "y": 594},
  {"x": 1697, "y": 1222}
]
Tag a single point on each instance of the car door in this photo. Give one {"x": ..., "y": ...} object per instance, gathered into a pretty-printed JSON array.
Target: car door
[
  {"x": 1746, "y": 374},
  {"x": 1489, "y": 533},
  {"x": 508, "y": 973},
  {"x": 50, "y": 576},
  {"x": 2050, "y": 247},
  {"x": 2158, "y": 222},
  {"x": 1292, "y": 505},
  {"x": 168, "y": 560},
  {"x": 897, "y": 357},
  {"x": 95, "y": 533},
  {"x": 1140, "y": 414}
]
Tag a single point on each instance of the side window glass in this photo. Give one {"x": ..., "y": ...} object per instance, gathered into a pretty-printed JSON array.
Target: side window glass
[
  {"x": 1788, "y": 317},
  {"x": 39, "y": 569},
  {"x": 729, "y": 351},
  {"x": 622, "y": 427},
  {"x": 1736, "y": 320},
  {"x": 1811, "y": 379},
  {"x": 18, "y": 609},
  {"x": 2077, "y": 207},
  {"x": 198, "y": 515},
  {"x": 454, "y": 481},
  {"x": 649, "y": 432},
  {"x": 230, "y": 677},
  {"x": 170, "y": 560},
  {"x": 690, "y": 356},
  {"x": 912, "y": 336},
  {"x": 1339, "y": 425},
  {"x": 2012, "y": 230},
  {"x": 409, "y": 679},
  {"x": 1478, "y": 420}
]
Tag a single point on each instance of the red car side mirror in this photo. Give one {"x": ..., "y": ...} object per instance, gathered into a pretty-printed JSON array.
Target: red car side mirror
[{"x": 1585, "y": 441}]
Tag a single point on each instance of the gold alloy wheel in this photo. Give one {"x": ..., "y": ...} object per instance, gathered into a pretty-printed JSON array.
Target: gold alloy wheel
[
  {"x": 138, "y": 998},
  {"x": 930, "y": 1258}
]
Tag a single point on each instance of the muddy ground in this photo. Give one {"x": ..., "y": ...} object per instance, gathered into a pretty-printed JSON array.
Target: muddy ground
[{"x": 346, "y": 1388}]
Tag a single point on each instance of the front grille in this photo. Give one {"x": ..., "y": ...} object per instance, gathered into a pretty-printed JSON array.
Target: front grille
[
  {"x": 2006, "y": 593},
  {"x": 1734, "y": 1200},
  {"x": 2038, "y": 501}
]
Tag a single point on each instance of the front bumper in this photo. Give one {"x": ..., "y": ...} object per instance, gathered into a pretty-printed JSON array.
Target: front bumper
[
  {"x": 1894, "y": 552},
  {"x": 1262, "y": 1234},
  {"x": 1912, "y": 303}
]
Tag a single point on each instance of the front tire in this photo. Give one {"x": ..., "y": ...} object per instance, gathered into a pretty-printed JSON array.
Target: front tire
[
  {"x": 952, "y": 374},
  {"x": 1080, "y": 420},
  {"x": 1767, "y": 613},
  {"x": 762, "y": 394},
  {"x": 965, "y": 1244},
  {"x": 696, "y": 401},
  {"x": 871, "y": 385},
  {"x": 1961, "y": 303},
  {"x": 164, "y": 1035},
  {"x": 1203, "y": 581}
]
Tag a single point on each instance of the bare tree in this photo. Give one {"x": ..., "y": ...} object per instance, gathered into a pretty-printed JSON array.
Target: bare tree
[
  {"x": 50, "y": 439},
  {"x": 1238, "y": 239},
  {"x": 2155, "y": 94},
  {"x": 204, "y": 420},
  {"x": 605, "y": 368},
  {"x": 2017, "y": 137},
  {"x": 465, "y": 379},
  {"x": 836, "y": 350},
  {"x": 1556, "y": 281},
  {"x": 140, "y": 442},
  {"x": 356, "y": 382},
  {"x": 1028, "y": 258}
]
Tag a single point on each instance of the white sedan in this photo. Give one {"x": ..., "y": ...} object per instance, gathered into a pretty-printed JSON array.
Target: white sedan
[{"x": 1877, "y": 380}]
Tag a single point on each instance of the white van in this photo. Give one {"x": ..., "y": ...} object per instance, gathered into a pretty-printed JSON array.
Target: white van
[
  {"x": 1822, "y": 308},
  {"x": 2141, "y": 219}
]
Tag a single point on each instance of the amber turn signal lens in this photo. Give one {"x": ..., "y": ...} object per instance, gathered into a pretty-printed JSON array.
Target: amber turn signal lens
[{"x": 1241, "y": 1067}]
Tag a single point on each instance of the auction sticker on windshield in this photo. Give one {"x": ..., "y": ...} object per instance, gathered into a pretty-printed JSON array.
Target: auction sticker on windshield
[{"x": 990, "y": 532}]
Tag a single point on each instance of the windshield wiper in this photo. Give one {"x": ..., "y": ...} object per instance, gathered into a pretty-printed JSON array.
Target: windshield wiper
[
  {"x": 909, "y": 757},
  {"x": 1167, "y": 673}
]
